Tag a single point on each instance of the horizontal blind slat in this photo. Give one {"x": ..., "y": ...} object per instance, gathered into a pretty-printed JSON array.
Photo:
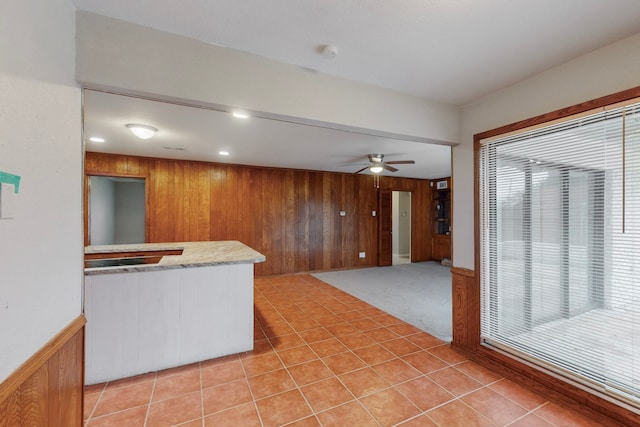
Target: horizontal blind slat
[{"x": 560, "y": 214}]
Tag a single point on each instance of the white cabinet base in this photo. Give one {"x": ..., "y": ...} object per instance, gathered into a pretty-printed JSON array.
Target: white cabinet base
[{"x": 139, "y": 322}]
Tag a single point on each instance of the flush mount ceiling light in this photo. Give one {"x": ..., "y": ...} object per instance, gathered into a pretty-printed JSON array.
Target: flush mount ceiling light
[
  {"x": 240, "y": 114},
  {"x": 96, "y": 139},
  {"x": 142, "y": 131},
  {"x": 223, "y": 153},
  {"x": 376, "y": 169}
]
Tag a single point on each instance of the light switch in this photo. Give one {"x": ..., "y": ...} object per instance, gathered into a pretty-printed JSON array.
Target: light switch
[{"x": 7, "y": 200}]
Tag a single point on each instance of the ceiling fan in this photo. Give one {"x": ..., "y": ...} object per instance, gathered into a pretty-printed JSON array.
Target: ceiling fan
[{"x": 377, "y": 164}]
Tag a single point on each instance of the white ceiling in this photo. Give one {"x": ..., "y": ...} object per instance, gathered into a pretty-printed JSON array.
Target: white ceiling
[
  {"x": 453, "y": 51},
  {"x": 446, "y": 50},
  {"x": 254, "y": 141}
]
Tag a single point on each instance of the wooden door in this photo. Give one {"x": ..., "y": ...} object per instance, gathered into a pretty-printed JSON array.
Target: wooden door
[{"x": 385, "y": 256}]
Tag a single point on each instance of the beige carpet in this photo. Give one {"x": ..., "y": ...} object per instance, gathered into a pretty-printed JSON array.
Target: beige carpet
[{"x": 418, "y": 293}]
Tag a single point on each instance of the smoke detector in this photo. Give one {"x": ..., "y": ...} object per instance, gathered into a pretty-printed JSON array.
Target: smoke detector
[{"x": 329, "y": 51}]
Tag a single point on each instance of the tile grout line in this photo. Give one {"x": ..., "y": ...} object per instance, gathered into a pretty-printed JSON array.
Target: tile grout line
[
  {"x": 524, "y": 416},
  {"x": 153, "y": 389},
  {"x": 529, "y": 411},
  {"x": 285, "y": 367},
  {"x": 355, "y": 399},
  {"x": 246, "y": 377},
  {"x": 484, "y": 386},
  {"x": 326, "y": 300},
  {"x": 368, "y": 365},
  {"x": 201, "y": 394},
  {"x": 533, "y": 411},
  {"x": 349, "y": 350},
  {"x": 398, "y": 357},
  {"x": 95, "y": 405},
  {"x": 472, "y": 408},
  {"x": 314, "y": 413}
]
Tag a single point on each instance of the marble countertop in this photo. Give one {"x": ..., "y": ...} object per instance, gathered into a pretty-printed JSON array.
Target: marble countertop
[{"x": 194, "y": 254}]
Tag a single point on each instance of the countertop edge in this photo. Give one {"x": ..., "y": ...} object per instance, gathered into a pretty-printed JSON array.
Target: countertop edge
[{"x": 194, "y": 255}]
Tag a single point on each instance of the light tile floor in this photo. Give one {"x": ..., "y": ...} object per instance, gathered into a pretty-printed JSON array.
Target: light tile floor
[{"x": 325, "y": 358}]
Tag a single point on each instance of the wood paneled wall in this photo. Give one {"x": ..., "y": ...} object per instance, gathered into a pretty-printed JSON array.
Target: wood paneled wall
[
  {"x": 291, "y": 216},
  {"x": 465, "y": 308},
  {"x": 47, "y": 389}
]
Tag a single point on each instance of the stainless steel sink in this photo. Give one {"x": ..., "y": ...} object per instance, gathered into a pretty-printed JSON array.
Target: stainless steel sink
[{"x": 125, "y": 261}]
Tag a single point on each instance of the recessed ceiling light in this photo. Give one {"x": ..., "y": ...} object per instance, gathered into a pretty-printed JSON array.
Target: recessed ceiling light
[
  {"x": 96, "y": 139},
  {"x": 240, "y": 114},
  {"x": 142, "y": 131},
  {"x": 223, "y": 153}
]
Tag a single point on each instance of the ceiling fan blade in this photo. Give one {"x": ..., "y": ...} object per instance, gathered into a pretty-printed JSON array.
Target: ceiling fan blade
[
  {"x": 354, "y": 164},
  {"x": 401, "y": 162},
  {"x": 389, "y": 168},
  {"x": 364, "y": 168}
]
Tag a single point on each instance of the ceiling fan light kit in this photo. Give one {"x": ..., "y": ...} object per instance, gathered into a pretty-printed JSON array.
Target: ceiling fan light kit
[{"x": 377, "y": 164}]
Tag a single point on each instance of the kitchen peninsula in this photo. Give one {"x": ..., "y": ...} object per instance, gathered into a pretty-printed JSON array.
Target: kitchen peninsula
[{"x": 154, "y": 306}]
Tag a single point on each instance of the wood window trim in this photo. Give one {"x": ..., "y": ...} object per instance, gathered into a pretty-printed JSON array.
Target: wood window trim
[{"x": 467, "y": 293}]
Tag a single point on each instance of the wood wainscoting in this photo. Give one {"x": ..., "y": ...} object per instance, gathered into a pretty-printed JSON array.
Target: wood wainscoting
[
  {"x": 47, "y": 389},
  {"x": 290, "y": 216},
  {"x": 465, "y": 308}
]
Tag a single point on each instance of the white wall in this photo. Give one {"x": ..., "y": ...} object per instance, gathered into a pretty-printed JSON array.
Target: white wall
[
  {"x": 404, "y": 222},
  {"x": 135, "y": 59},
  {"x": 116, "y": 211},
  {"x": 605, "y": 71},
  {"x": 101, "y": 210},
  {"x": 41, "y": 248},
  {"x": 395, "y": 222},
  {"x": 129, "y": 212},
  {"x": 401, "y": 222}
]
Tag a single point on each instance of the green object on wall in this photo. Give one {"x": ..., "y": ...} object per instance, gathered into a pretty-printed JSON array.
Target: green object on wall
[{"x": 9, "y": 178}]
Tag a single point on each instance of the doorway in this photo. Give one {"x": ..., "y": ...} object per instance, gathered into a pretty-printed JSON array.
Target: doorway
[
  {"x": 401, "y": 227},
  {"x": 116, "y": 210}
]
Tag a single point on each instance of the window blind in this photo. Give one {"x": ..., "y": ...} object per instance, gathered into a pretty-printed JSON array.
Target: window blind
[{"x": 560, "y": 248}]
